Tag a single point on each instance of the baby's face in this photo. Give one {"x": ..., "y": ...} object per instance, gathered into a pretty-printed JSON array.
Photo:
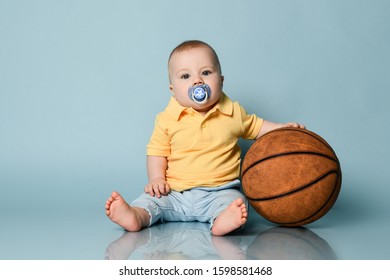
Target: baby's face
[{"x": 195, "y": 67}]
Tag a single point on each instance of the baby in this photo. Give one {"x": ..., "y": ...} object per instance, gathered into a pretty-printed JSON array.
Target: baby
[{"x": 193, "y": 160}]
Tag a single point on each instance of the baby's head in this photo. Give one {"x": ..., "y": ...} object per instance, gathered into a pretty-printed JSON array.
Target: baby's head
[{"x": 194, "y": 63}]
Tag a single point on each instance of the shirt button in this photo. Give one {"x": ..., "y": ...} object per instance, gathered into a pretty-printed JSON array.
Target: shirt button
[{"x": 203, "y": 126}]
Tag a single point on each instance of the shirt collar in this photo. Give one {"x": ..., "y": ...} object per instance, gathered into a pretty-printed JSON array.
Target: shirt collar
[{"x": 224, "y": 105}]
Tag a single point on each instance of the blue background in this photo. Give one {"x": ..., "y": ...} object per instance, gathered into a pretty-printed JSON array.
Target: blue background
[{"x": 82, "y": 81}]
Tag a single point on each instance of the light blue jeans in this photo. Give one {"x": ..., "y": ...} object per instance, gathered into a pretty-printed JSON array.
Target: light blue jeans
[{"x": 198, "y": 204}]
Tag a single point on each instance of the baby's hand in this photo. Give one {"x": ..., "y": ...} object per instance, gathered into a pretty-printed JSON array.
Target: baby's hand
[
  {"x": 294, "y": 124},
  {"x": 157, "y": 187}
]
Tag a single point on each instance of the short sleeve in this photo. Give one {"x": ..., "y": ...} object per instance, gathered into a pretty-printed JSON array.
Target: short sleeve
[
  {"x": 159, "y": 143},
  {"x": 251, "y": 124}
]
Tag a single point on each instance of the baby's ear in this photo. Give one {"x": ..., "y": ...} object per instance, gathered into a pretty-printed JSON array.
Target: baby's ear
[{"x": 171, "y": 89}]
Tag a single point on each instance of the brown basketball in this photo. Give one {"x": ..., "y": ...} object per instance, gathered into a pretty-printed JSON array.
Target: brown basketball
[{"x": 291, "y": 176}]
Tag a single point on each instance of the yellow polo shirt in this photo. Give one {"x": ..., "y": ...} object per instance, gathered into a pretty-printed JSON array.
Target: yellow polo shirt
[{"x": 202, "y": 150}]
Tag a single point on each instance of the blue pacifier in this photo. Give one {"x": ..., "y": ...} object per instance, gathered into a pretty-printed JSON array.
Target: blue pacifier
[{"x": 200, "y": 93}]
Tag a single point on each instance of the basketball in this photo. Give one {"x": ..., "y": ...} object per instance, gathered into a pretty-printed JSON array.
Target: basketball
[{"x": 291, "y": 176}]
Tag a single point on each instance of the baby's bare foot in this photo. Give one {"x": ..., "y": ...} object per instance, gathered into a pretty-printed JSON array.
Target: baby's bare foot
[
  {"x": 233, "y": 217},
  {"x": 128, "y": 217}
]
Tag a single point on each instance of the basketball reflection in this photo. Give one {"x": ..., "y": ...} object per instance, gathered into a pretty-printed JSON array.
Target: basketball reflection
[{"x": 281, "y": 243}]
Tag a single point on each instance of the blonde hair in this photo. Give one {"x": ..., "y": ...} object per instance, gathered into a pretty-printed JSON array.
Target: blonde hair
[{"x": 191, "y": 44}]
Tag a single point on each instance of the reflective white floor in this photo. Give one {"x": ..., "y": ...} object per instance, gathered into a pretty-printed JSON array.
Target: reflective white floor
[
  {"x": 351, "y": 230},
  {"x": 348, "y": 231},
  {"x": 193, "y": 241}
]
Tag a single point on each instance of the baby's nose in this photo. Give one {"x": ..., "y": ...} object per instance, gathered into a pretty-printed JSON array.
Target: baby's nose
[{"x": 198, "y": 81}]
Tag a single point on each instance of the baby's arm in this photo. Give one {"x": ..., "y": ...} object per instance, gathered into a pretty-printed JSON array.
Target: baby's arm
[
  {"x": 268, "y": 126},
  {"x": 157, "y": 166}
]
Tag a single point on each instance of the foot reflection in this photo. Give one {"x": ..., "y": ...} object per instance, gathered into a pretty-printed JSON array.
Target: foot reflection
[
  {"x": 194, "y": 241},
  {"x": 175, "y": 241}
]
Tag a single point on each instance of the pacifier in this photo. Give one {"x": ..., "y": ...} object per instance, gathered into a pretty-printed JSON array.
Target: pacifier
[{"x": 199, "y": 93}]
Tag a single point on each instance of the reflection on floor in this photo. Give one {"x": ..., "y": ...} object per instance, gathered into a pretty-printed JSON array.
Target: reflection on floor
[{"x": 194, "y": 241}]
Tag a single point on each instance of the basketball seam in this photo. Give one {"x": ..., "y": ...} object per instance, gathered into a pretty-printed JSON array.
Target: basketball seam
[
  {"x": 305, "y": 131},
  {"x": 296, "y": 190},
  {"x": 315, "y": 213},
  {"x": 322, "y": 207},
  {"x": 286, "y": 154}
]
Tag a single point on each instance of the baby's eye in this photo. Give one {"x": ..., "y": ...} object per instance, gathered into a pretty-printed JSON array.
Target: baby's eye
[
  {"x": 206, "y": 72},
  {"x": 185, "y": 76}
]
